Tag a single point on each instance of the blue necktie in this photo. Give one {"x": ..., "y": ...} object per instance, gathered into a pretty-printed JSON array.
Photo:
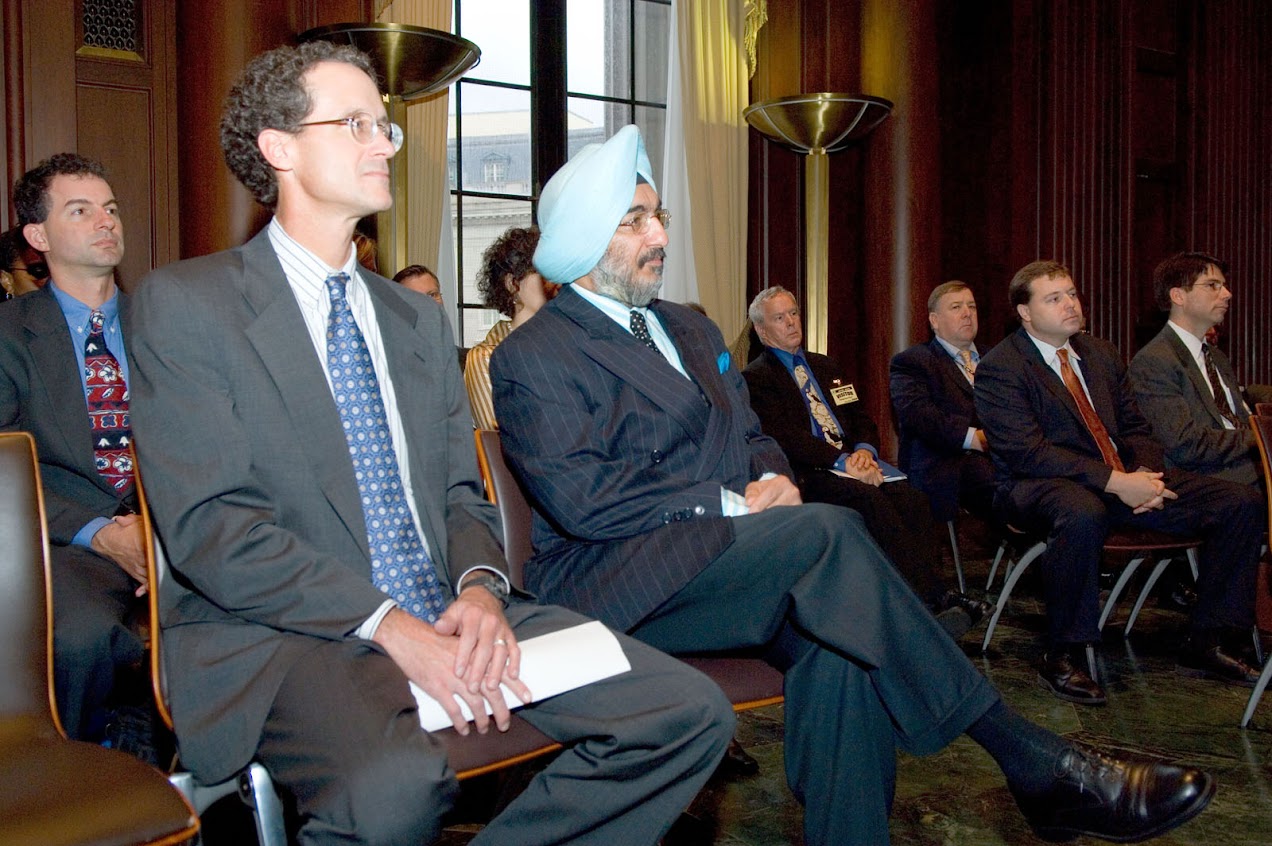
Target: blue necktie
[{"x": 400, "y": 565}]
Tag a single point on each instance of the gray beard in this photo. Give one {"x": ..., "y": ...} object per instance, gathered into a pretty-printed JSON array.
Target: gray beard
[{"x": 619, "y": 284}]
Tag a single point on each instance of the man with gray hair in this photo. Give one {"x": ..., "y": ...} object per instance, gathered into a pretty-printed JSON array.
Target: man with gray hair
[{"x": 662, "y": 509}]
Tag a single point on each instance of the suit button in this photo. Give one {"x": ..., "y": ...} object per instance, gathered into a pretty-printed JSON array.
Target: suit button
[
  {"x": 656, "y": 456},
  {"x": 666, "y": 518},
  {"x": 699, "y": 510}
]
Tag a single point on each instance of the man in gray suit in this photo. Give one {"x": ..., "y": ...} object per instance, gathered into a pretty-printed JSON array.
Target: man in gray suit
[
  {"x": 662, "y": 509},
  {"x": 68, "y": 386},
  {"x": 1186, "y": 387},
  {"x": 307, "y": 444}
]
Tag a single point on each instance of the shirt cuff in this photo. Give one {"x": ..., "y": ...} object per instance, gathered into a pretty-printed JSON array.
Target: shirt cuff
[
  {"x": 733, "y": 504},
  {"x": 481, "y": 568},
  {"x": 84, "y": 537},
  {"x": 970, "y": 439},
  {"x": 366, "y": 631},
  {"x": 868, "y": 448},
  {"x": 841, "y": 463}
]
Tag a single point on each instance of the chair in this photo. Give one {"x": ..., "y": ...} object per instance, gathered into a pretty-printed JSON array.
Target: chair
[
  {"x": 58, "y": 792},
  {"x": 958, "y": 561},
  {"x": 1139, "y": 543},
  {"x": 747, "y": 682},
  {"x": 1262, "y": 425},
  {"x": 253, "y": 784}
]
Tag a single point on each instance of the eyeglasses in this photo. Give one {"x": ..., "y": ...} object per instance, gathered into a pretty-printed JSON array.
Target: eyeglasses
[
  {"x": 365, "y": 128},
  {"x": 640, "y": 221},
  {"x": 1214, "y": 286}
]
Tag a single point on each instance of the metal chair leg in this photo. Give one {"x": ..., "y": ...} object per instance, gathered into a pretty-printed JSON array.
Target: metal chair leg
[
  {"x": 958, "y": 563},
  {"x": 256, "y": 788},
  {"x": 998, "y": 557},
  {"x": 1090, "y": 656},
  {"x": 1127, "y": 572},
  {"x": 1017, "y": 571},
  {"x": 1257, "y": 693},
  {"x": 1145, "y": 591}
]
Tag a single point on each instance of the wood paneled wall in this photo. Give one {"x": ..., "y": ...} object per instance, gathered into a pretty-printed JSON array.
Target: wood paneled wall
[{"x": 1107, "y": 134}]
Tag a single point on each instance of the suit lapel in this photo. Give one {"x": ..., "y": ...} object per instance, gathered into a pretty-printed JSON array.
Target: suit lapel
[
  {"x": 54, "y": 356},
  {"x": 1047, "y": 376},
  {"x": 950, "y": 370},
  {"x": 281, "y": 340},
  {"x": 1198, "y": 379},
  {"x": 638, "y": 366},
  {"x": 703, "y": 365}
]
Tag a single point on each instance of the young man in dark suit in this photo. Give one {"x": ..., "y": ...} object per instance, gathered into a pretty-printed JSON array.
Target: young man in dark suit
[
  {"x": 64, "y": 379},
  {"x": 943, "y": 448},
  {"x": 1075, "y": 457},
  {"x": 806, "y": 403},
  {"x": 1185, "y": 386},
  {"x": 308, "y": 447},
  {"x": 661, "y": 508}
]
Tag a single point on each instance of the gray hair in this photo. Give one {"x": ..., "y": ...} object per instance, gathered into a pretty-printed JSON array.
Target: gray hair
[{"x": 756, "y": 310}]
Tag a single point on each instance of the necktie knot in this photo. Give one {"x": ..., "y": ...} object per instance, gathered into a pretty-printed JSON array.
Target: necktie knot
[
  {"x": 336, "y": 283},
  {"x": 96, "y": 320}
]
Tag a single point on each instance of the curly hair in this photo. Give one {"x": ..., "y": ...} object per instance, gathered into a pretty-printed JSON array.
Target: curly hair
[
  {"x": 31, "y": 191},
  {"x": 271, "y": 94},
  {"x": 511, "y": 255}
]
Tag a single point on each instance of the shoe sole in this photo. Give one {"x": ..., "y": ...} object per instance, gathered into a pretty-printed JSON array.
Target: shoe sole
[
  {"x": 1191, "y": 673},
  {"x": 1064, "y": 835},
  {"x": 1077, "y": 700}
]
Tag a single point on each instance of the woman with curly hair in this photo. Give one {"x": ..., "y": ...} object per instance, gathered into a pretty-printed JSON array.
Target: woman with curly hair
[{"x": 508, "y": 282}]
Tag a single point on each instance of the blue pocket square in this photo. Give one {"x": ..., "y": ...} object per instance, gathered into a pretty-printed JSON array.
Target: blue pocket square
[{"x": 723, "y": 361}]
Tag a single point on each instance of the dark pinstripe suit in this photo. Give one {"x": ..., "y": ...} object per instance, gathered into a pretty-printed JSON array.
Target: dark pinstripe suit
[{"x": 623, "y": 459}]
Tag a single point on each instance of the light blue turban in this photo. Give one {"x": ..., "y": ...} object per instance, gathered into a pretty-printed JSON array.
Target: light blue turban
[{"x": 582, "y": 204}]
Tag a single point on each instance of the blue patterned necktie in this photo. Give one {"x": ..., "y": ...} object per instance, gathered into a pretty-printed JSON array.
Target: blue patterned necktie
[{"x": 400, "y": 565}]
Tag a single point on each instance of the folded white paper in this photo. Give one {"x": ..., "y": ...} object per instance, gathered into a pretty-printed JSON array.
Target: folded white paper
[{"x": 550, "y": 664}]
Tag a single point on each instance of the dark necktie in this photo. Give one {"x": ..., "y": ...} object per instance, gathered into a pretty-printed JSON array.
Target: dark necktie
[
  {"x": 107, "y": 408},
  {"x": 1093, "y": 422},
  {"x": 400, "y": 565},
  {"x": 641, "y": 330},
  {"x": 1216, "y": 386}
]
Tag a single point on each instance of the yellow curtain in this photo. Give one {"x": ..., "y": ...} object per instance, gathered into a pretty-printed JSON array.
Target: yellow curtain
[
  {"x": 711, "y": 48},
  {"x": 425, "y": 148}
]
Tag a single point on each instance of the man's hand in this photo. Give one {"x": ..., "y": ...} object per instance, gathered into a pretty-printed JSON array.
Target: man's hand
[
  {"x": 1142, "y": 490},
  {"x": 488, "y": 651},
  {"x": 120, "y": 540},
  {"x": 861, "y": 465},
  {"x": 766, "y": 493},
  {"x": 428, "y": 658}
]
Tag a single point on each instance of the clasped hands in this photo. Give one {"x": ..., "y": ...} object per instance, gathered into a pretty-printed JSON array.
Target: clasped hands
[
  {"x": 467, "y": 653},
  {"x": 1143, "y": 490},
  {"x": 863, "y": 467},
  {"x": 121, "y": 541}
]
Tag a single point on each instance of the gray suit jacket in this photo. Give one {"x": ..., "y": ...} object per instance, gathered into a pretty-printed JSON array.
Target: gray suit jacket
[
  {"x": 254, "y": 497},
  {"x": 41, "y": 393},
  {"x": 1174, "y": 395}
]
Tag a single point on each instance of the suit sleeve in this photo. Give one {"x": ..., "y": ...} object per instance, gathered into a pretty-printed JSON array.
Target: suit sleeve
[
  {"x": 566, "y": 443},
  {"x": 918, "y": 414},
  {"x": 220, "y": 528},
  {"x": 1011, "y": 406},
  {"x": 1133, "y": 429},
  {"x": 1166, "y": 397}
]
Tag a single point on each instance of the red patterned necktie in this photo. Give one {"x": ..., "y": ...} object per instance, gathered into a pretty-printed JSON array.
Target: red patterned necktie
[
  {"x": 107, "y": 408},
  {"x": 1093, "y": 422}
]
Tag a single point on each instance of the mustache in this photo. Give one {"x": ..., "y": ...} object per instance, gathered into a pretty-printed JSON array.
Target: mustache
[{"x": 652, "y": 254}]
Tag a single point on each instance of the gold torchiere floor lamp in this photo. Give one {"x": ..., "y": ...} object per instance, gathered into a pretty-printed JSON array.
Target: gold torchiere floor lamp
[
  {"x": 412, "y": 62},
  {"x": 816, "y": 125}
]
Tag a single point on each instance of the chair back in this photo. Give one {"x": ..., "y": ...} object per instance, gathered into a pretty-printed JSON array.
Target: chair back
[
  {"x": 1262, "y": 425},
  {"x": 156, "y": 574},
  {"x": 502, "y": 490},
  {"x": 1263, "y": 409},
  {"x": 26, "y": 614}
]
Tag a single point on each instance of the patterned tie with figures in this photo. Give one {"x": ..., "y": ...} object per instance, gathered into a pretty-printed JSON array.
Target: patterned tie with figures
[
  {"x": 400, "y": 565},
  {"x": 821, "y": 414},
  {"x": 107, "y": 396}
]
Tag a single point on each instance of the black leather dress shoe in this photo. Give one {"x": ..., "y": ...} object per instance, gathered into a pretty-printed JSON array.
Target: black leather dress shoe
[
  {"x": 1214, "y": 663},
  {"x": 737, "y": 762},
  {"x": 977, "y": 609},
  {"x": 1122, "y": 800},
  {"x": 1067, "y": 681}
]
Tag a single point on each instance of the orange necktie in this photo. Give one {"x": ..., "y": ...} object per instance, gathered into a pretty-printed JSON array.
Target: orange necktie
[{"x": 1092, "y": 420}]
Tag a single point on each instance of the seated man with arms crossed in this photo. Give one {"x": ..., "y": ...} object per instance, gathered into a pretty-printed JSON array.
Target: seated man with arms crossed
[
  {"x": 662, "y": 509},
  {"x": 306, "y": 438}
]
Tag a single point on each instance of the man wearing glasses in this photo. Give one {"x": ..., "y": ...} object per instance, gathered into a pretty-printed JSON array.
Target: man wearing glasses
[
  {"x": 1185, "y": 385},
  {"x": 307, "y": 443}
]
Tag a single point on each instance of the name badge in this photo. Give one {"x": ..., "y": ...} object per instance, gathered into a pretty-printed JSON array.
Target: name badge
[{"x": 844, "y": 394}]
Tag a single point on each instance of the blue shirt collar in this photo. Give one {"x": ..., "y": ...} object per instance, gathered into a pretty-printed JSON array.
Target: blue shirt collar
[{"x": 77, "y": 312}]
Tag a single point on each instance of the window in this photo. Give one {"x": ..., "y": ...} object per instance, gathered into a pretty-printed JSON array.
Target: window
[{"x": 500, "y": 151}]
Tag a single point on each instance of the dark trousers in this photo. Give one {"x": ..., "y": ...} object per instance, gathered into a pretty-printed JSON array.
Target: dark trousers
[
  {"x": 92, "y": 601},
  {"x": 344, "y": 739},
  {"x": 897, "y": 516},
  {"x": 867, "y": 667},
  {"x": 1227, "y": 517}
]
